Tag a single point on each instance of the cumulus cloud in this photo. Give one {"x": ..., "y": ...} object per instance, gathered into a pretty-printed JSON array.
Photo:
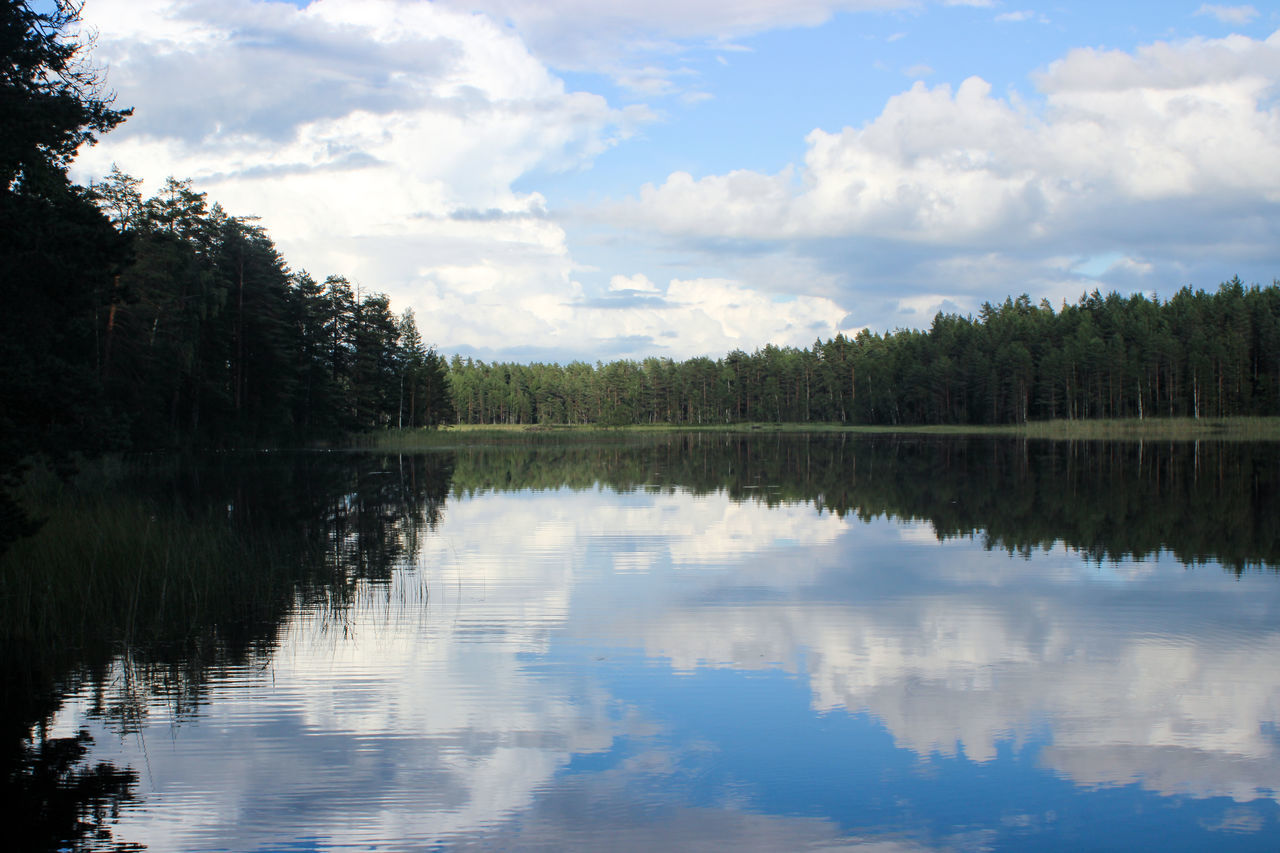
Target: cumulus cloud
[
  {"x": 1229, "y": 14},
  {"x": 377, "y": 140},
  {"x": 965, "y": 167},
  {"x": 383, "y": 141},
  {"x": 587, "y": 34},
  {"x": 706, "y": 316},
  {"x": 1173, "y": 149},
  {"x": 637, "y": 282}
]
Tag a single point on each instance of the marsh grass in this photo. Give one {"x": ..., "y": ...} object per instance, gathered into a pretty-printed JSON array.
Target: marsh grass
[
  {"x": 108, "y": 571},
  {"x": 1168, "y": 429},
  {"x": 472, "y": 435}
]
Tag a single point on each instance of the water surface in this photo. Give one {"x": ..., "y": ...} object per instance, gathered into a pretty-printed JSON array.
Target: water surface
[{"x": 719, "y": 643}]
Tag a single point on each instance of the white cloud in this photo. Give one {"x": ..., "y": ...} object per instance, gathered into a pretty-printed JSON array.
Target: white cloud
[
  {"x": 651, "y": 80},
  {"x": 1014, "y": 17},
  {"x": 590, "y": 34},
  {"x": 638, "y": 282},
  {"x": 711, "y": 317},
  {"x": 1166, "y": 151},
  {"x": 1228, "y": 14},
  {"x": 386, "y": 147},
  {"x": 944, "y": 167},
  {"x": 376, "y": 140}
]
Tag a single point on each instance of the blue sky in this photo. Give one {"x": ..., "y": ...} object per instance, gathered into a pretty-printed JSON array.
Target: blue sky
[
  {"x": 788, "y": 81},
  {"x": 575, "y": 180}
]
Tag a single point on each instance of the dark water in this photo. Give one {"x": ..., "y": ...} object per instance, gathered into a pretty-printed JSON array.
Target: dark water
[{"x": 691, "y": 643}]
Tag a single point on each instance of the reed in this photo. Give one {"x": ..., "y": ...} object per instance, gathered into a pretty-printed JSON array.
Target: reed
[
  {"x": 472, "y": 435},
  {"x": 1168, "y": 429},
  {"x": 108, "y": 571}
]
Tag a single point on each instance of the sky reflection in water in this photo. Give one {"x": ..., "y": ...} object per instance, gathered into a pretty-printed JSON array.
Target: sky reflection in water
[{"x": 662, "y": 670}]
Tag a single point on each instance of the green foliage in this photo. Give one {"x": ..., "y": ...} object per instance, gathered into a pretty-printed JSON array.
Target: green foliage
[
  {"x": 210, "y": 341},
  {"x": 1197, "y": 355},
  {"x": 57, "y": 251},
  {"x": 51, "y": 97}
]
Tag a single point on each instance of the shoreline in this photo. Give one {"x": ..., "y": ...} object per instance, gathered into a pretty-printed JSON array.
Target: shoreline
[{"x": 1133, "y": 429}]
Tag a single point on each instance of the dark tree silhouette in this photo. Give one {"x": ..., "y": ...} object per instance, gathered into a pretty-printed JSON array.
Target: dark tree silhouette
[{"x": 58, "y": 252}]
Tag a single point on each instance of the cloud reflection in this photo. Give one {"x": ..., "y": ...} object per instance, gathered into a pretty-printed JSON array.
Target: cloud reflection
[{"x": 449, "y": 708}]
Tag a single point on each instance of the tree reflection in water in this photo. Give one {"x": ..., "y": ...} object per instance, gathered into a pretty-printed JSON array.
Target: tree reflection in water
[
  {"x": 149, "y": 584},
  {"x": 155, "y": 582}
]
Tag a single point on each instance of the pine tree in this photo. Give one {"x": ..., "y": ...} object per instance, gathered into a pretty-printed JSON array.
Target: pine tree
[{"x": 58, "y": 252}]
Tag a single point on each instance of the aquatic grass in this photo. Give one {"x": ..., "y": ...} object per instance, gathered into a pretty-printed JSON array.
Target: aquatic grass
[
  {"x": 150, "y": 576},
  {"x": 1168, "y": 429},
  {"x": 108, "y": 571},
  {"x": 472, "y": 435}
]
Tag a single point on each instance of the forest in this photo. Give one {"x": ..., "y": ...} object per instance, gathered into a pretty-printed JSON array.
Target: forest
[
  {"x": 1197, "y": 354},
  {"x": 165, "y": 321},
  {"x": 151, "y": 323}
]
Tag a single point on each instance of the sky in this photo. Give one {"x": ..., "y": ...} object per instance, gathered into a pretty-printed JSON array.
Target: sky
[{"x": 581, "y": 180}]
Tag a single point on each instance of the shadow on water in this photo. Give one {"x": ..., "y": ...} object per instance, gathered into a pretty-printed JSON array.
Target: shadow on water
[
  {"x": 1202, "y": 501},
  {"x": 153, "y": 580},
  {"x": 149, "y": 581}
]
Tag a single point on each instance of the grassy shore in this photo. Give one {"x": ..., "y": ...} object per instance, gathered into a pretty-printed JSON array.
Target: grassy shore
[
  {"x": 107, "y": 571},
  {"x": 1169, "y": 429},
  {"x": 1164, "y": 429}
]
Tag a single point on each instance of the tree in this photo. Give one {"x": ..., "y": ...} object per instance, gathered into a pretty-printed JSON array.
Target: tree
[
  {"x": 436, "y": 390},
  {"x": 52, "y": 100},
  {"x": 374, "y": 376},
  {"x": 409, "y": 362},
  {"x": 120, "y": 197},
  {"x": 58, "y": 252}
]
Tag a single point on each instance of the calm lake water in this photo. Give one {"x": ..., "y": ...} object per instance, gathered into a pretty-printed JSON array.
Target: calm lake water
[{"x": 714, "y": 642}]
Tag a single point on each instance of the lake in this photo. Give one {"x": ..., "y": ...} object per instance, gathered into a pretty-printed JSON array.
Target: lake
[{"x": 701, "y": 642}]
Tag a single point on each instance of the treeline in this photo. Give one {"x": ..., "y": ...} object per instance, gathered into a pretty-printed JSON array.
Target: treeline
[
  {"x": 209, "y": 339},
  {"x": 193, "y": 332},
  {"x": 162, "y": 322},
  {"x": 1196, "y": 354}
]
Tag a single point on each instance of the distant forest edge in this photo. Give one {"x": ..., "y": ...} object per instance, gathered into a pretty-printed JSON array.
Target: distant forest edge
[
  {"x": 204, "y": 337},
  {"x": 1196, "y": 355},
  {"x": 139, "y": 323}
]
